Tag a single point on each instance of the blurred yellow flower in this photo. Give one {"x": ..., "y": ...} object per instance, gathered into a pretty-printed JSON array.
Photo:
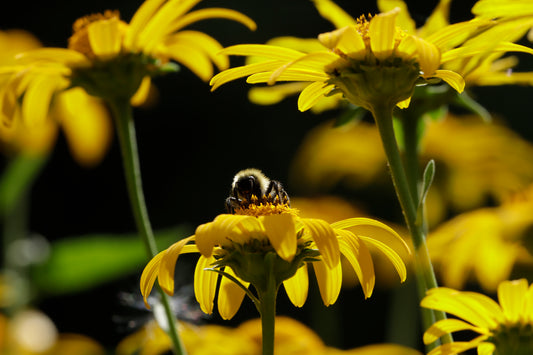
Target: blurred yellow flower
[
  {"x": 31, "y": 332},
  {"x": 486, "y": 243},
  {"x": 84, "y": 119},
  {"x": 504, "y": 328},
  {"x": 291, "y": 338},
  {"x": 246, "y": 243},
  {"x": 475, "y": 161},
  {"x": 112, "y": 60}
]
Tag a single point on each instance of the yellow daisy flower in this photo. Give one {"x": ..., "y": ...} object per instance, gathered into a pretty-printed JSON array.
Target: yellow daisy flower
[
  {"x": 243, "y": 246},
  {"x": 486, "y": 242},
  {"x": 381, "y": 58},
  {"x": 84, "y": 119},
  {"x": 504, "y": 328},
  {"x": 115, "y": 60}
]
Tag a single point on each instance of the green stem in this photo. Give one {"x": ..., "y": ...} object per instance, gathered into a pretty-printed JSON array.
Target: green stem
[
  {"x": 423, "y": 268},
  {"x": 267, "y": 307},
  {"x": 123, "y": 114}
]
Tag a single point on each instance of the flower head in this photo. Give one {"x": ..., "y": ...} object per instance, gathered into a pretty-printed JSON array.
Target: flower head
[
  {"x": 370, "y": 60},
  {"x": 263, "y": 237},
  {"x": 83, "y": 119},
  {"x": 115, "y": 60},
  {"x": 504, "y": 328}
]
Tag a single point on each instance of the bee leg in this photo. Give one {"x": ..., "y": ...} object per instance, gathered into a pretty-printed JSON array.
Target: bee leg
[{"x": 232, "y": 203}]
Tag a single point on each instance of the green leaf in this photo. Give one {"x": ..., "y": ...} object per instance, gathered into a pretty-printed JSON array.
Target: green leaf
[
  {"x": 467, "y": 102},
  {"x": 352, "y": 114},
  {"x": 80, "y": 263},
  {"x": 427, "y": 180}
]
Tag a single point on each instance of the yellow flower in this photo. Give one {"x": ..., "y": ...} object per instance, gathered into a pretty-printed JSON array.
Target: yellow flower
[
  {"x": 486, "y": 242},
  {"x": 84, "y": 119},
  {"x": 504, "y": 328},
  {"x": 115, "y": 60},
  {"x": 380, "y": 59},
  {"x": 243, "y": 246}
]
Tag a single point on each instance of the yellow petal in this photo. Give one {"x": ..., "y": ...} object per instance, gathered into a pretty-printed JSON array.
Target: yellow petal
[
  {"x": 455, "y": 80},
  {"x": 168, "y": 265},
  {"x": 240, "y": 72},
  {"x": 193, "y": 58},
  {"x": 205, "y": 283},
  {"x": 38, "y": 96},
  {"x": 287, "y": 75},
  {"x": 333, "y": 13},
  {"x": 313, "y": 62},
  {"x": 512, "y": 297},
  {"x": 141, "y": 17},
  {"x": 457, "y": 347},
  {"x": 325, "y": 238},
  {"x": 297, "y": 286},
  {"x": 382, "y": 33},
  {"x": 142, "y": 94},
  {"x": 494, "y": 9},
  {"x": 330, "y": 39},
  {"x": 223, "y": 13},
  {"x": 373, "y": 229},
  {"x": 281, "y": 232},
  {"x": 469, "y": 51},
  {"x": 428, "y": 56},
  {"x": 352, "y": 44},
  {"x": 149, "y": 275},
  {"x": 329, "y": 281},
  {"x": 312, "y": 94},
  {"x": 359, "y": 257},
  {"x": 203, "y": 42},
  {"x": 447, "y": 326},
  {"x": 264, "y": 51},
  {"x": 86, "y": 123},
  {"x": 495, "y": 259},
  {"x": 105, "y": 37},
  {"x": 404, "y": 104},
  {"x": 55, "y": 55},
  {"x": 438, "y": 19},
  {"x": 274, "y": 94},
  {"x": 230, "y": 295},
  {"x": 404, "y": 20},
  {"x": 461, "y": 305},
  {"x": 394, "y": 258}
]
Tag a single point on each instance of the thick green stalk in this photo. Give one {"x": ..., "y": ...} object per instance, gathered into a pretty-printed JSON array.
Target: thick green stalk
[
  {"x": 423, "y": 268},
  {"x": 123, "y": 115},
  {"x": 267, "y": 294}
]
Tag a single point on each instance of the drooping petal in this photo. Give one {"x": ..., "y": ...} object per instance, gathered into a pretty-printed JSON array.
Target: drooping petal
[
  {"x": 334, "y": 13},
  {"x": 447, "y": 326},
  {"x": 54, "y": 55},
  {"x": 312, "y": 94},
  {"x": 281, "y": 232},
  {"x": 460, "y": 305},
  {"x": 297, "y": 286},
  {"x": 142, "y": 93},
  {"x": 382, "y": 32},
  {"x": 86, "y": 123},
  {"x": 394, "y": 258},
  {"x": 359, "y": 257},
  {"x": 404, "y": 20},
  {"x": 202, "y": 41},
  {"x": 287, "y": 75},
  {"x": 105, "y": 37},
  {"x": 38, "y": 96},
  {"x": 274, "y": 94},
  {"x": 205, "y": 283},
  {"x": 457, "y": 347},
  {"x": 240, "y": 72},
  {"x": 264, "y": 51},
  {"x": 512, "y": 297},
  {"x": 329, "y": 281},
  {"x": 193, "y": 58},
  {"x": 168, "y": 265},
  {"x": 325, "y": 238},
  {"x": 213, "y": 12},
  {"x": 149, "y": 275},
  {"x": 230, "y": 295},
  {"x": 455, "y": 80}
]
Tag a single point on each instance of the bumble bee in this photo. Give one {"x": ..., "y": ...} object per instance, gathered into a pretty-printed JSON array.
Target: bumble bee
[{"x": 251, "y": 186}]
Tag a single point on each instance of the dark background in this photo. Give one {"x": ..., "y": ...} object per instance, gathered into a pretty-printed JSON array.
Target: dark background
[{"x": 191, "y": 144}]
